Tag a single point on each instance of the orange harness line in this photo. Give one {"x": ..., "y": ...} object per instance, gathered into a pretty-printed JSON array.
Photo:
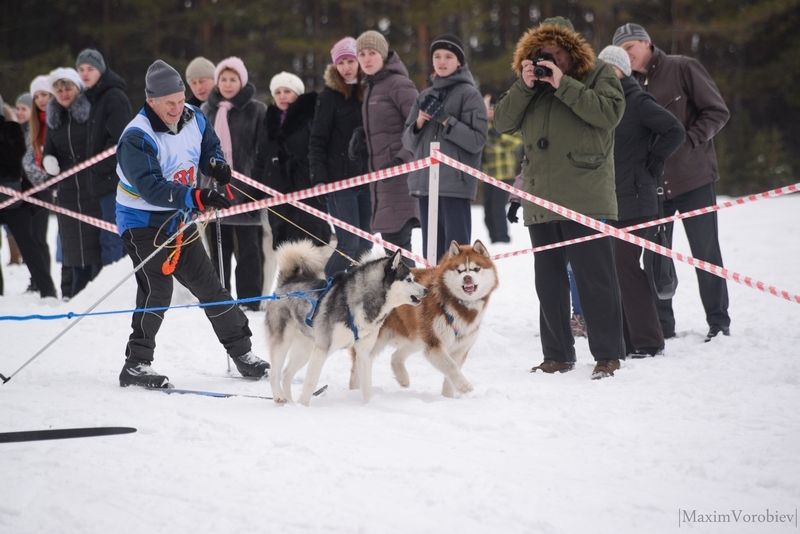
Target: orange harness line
[{"x": 169, "y": 265}]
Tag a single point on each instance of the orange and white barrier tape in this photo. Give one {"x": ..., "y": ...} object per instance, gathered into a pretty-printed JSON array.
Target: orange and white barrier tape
[
  {"x": 773, "y": 193},
  {"x": 99, "y": 223},
  {"x": 620, "y": 234},
  {"x": 66, "y": 174},
  {"x": 333, "y": 220}
]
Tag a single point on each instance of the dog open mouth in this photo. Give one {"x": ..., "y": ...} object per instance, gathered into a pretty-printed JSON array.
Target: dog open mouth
[
  {"x": 469, "y": 287},
  {"x": 415, "y": 299}
]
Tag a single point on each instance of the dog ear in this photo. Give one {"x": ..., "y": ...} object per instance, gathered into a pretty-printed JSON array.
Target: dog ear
[
  {"x": 480, "y": 248},
  {"x": 454, "y": 248},
  {"x": 396, "y": 257}
]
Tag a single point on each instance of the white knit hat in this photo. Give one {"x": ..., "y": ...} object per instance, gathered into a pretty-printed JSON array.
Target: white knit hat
[
  {"x": 64, "y": 73},
  {"x": 288, "y": 80},
  {"x": 614, "y": 55},
  {"x": 40, "y": 83}
]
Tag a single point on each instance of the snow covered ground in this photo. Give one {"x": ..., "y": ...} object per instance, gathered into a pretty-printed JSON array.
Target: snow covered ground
[{"x": 707, "y": 432}]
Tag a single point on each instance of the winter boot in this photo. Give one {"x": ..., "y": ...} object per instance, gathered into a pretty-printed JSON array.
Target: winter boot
[
  {"x": 141, "y": 374},
  {"x": 251, "y": 366},
  {"x": 604, "y": 368},
  {"x": 552, "y": 366},
  {"x": 715, "y": 330}
]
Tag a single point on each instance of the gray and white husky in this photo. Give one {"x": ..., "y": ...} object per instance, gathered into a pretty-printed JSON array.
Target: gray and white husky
[{"x": 315, "y": 316}]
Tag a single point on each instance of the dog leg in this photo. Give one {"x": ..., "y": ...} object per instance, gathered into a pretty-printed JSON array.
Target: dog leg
[
  {"x": 277, "y": 353},
  {"x": 444, "y": 363},
  {"x": 354, "y": 382},
  {"x": 316, "y": 361},
  {"x": 399, "y": 366},
  {"x": 298, "y": 358}
]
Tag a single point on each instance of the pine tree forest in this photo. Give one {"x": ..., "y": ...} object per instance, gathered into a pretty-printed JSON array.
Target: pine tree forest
[{"x": 750, "y": 47}]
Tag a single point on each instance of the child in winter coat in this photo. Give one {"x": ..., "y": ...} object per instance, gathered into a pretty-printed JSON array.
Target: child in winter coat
[{"x": 451, "y": 112}]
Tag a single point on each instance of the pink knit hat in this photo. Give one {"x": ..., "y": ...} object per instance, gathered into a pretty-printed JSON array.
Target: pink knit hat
[
  {"x": 344, "y": 48},
  {"x": 233, "y": 63}
]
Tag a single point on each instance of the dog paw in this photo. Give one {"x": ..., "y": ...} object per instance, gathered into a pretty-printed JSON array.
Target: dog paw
[
  {"x": 466, "y": 387},
  {"x": 279, "y": 399}
]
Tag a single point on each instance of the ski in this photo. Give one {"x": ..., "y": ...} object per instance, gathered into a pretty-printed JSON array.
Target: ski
[
  {"x": 64, "y": 433},
  {"x": 222, "y": 394}
]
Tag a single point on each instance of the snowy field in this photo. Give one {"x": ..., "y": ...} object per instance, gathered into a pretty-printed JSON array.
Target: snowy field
[{"x": 708, "y": 431}]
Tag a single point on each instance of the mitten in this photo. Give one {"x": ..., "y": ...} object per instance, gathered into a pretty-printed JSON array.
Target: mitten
[
  {"x": 50, "y": 164},
  {"x": 208, "y": 198}
]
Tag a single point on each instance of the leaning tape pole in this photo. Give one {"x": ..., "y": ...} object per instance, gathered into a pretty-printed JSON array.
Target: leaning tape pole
[{"x": 78, "y": 319}]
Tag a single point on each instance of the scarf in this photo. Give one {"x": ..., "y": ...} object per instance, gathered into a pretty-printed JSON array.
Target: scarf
[
  {"x": 42, "y": 137},
  {"x": 224, "y": 131}
]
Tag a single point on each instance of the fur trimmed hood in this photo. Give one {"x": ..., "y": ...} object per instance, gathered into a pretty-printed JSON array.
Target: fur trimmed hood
[
  {"x": 79, "y": 110},
  {"x": 552, "y": 32},
  {"x": 300, "y": 112},
  {"x": 335, "y": 81}
]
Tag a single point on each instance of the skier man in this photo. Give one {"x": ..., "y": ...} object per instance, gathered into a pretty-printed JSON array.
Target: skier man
[{"x": 159, "y": 155}]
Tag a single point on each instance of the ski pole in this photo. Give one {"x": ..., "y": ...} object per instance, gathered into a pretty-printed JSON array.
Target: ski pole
[
  {"x": 93, "y": 306},
  {"x": 218, "y": 224}
]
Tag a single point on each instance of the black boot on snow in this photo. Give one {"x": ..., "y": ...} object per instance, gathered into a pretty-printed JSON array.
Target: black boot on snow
[
  {"x": 141, "y": 374},
  {"x": 250, "y": 365}
]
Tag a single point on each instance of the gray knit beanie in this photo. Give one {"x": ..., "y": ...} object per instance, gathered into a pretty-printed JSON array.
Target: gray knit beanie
[
  {"x": 161, "y": 79},
  {"x": 91, "y": 57},
  {"x": 25, "y": 99},
  {"x": 630, "y": 32},
  {"x": 200, "y": 68},
  {"x": 374, "y": 40},
  {"x": 614, "y": 55}
]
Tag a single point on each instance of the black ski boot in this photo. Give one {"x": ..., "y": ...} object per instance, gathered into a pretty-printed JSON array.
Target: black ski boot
[
  {"x": 250, "y": 365},
  {"x": 141, "y": 374}
]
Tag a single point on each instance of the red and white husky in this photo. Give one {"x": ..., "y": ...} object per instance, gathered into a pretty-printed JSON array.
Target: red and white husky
[{"x": 444, "y": 326}]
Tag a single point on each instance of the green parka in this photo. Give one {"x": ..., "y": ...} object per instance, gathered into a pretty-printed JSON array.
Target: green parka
[{"x": 568, "y": 132}]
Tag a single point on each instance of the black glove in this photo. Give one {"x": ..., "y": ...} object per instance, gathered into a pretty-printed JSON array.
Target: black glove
[
  {"x": 220, "y": 171},
  {"x": 394, "y": 162},
  {"x": 357, "y": 149},
  {"x": 512, "y": 212},
  {"x": 208, "y": 198}
]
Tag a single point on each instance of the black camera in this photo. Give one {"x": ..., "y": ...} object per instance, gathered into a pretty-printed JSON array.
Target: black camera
[
  {"x": 540, "y": 71},
  {"x": 432, "y": 104}
]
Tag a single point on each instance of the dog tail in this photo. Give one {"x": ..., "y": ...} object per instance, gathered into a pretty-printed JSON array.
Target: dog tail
[{"x": 301, "y": 259}]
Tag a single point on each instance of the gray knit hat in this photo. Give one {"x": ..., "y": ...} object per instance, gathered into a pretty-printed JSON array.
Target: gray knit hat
[
  {"x": 161, "y": 79},
  {"x": 26, "y": 99},
  {"x": 91, "y": 57},
  {"x": 374, "y": 40},
  {"x": 199, "y": 68},
  {"x": 614, "y": 55},
  {"x": 630, "y": 32}
]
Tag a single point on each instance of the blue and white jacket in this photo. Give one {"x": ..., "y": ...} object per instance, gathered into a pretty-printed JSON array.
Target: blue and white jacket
[{"x": 158, "y": 169}]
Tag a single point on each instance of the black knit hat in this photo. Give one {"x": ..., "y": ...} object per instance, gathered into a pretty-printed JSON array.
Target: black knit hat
[{"x": 451, "y": 43}]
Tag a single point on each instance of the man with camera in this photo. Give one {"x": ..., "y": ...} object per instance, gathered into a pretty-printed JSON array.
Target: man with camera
[
  {"x": 567, "y": 105},
  {"x": 684, "y": 87}
]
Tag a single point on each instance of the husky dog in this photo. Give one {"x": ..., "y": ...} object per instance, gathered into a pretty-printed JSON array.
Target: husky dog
[
  {"x": 446, "y": 325},
  {"x": 315, "y": 317}
]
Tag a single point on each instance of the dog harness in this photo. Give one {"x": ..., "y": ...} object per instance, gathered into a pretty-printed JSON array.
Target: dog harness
[
  {"x": 451, "y": 319},
  {"x": 314, "y": 302}
]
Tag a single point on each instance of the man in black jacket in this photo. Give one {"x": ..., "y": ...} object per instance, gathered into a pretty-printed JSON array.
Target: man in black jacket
[
  {"x": 110, "y": 113},
  {"x": 682, "y": 86}
]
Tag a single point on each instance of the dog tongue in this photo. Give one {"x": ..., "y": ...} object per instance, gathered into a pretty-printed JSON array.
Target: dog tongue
[{"x": 468, "y": 287}]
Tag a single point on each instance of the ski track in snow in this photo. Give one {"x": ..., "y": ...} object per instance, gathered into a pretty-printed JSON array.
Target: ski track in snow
[{"x": 709, "y": 427}]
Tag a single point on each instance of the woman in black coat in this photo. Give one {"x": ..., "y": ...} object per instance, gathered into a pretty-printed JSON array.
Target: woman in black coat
[
  {"x": 337, "y": 117},
  {"x": 19, "y": 216},
  {"x": 283, "y": 161},
  {"x": 66, "y": 146},
  {"x": 645, "y": 137}
]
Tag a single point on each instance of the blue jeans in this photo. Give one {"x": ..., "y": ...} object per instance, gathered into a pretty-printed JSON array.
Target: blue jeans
[
  {"x": 111, "y": 248},
  {"x": 354, "y": 207}
]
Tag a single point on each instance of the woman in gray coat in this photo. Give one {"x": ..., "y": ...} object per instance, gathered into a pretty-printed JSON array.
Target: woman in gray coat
[
  {"x": 451, "y": 112},
  {"x": 388, "y": 99}
]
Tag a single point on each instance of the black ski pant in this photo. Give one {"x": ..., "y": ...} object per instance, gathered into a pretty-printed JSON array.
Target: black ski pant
[
  {"x": 20, "y": 223},
  {"x": 401, "y": 238},
  {"x": 244, "y": 243},
  {"x": 596, "y": 276},
  {"x": 703, "y": 235},
  {"x": 494, "y": 213},
  {"x": 154, "y": 289},
  {"x": 641, "y": 326}
]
